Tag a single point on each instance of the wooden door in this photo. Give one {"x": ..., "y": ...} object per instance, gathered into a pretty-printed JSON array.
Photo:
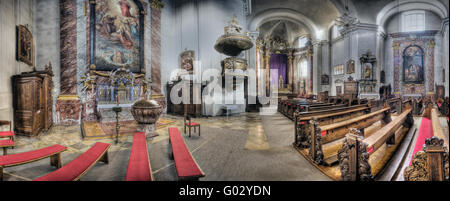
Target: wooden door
[{"x": 338, "y": 90}]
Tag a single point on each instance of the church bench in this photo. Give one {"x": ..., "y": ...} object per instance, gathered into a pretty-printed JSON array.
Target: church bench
[
  {"x": 54, "y": 152},
  {"x": 139, "y": 168},
  {"x": 355, "y": 152},
  {"x": 302, "y": 120},
  {"x": 76, "y": 168},
  {"x": 5, "y": 144},
  {"x": 185, "y": 164},
  {"x": 395, "y": 104},
  {"x": 9, "y": 143},
  {"x": 6, "y": 134},
  {"x": 288, "y": 107},
  {"x": 320, "y": 135},
  {"x": 295, "y": 108},
  {"x": 434, "y": 153}
]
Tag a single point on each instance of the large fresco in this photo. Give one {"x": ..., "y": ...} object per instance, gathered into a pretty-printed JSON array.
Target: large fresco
[
  {"x": 413, "y": 65},
  {"x": 118, "y": 35}
]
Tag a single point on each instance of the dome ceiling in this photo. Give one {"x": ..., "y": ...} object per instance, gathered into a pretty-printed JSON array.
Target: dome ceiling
[
  {"x": 321, "y": 12},
  {"x": 282, "y": 29}
]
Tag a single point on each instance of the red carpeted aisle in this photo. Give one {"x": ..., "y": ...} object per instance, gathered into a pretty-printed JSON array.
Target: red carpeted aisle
[{"x": 425, "y": 131}]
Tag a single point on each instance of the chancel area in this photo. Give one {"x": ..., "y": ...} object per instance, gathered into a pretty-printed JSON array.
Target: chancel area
[{"x": 215, "y": 90}]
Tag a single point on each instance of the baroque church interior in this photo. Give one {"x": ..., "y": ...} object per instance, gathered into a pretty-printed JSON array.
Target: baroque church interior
[{"x": 215, "y": 90}]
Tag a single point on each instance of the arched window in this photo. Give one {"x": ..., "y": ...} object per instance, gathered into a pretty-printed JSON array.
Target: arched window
[
  {"x": 303, "y": 68},
  {"x": 413, "y": 21},
  {"x": 302, "y": 42}
]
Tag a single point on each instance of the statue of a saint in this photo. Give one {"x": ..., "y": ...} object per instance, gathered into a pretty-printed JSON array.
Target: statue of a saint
[{"x": 280, "y": 82}]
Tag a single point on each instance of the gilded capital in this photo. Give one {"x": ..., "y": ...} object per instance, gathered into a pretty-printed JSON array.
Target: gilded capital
[
  {"x": 156, "y": 4},
  {"x": 396, "y": 45},
  {"x": 290, "y": 57},
  {"x": 431, "y": 44}
]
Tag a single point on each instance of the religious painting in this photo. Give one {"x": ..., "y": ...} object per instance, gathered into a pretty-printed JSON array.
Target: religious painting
[
  {"x": 187, "y": 61},
  {"x": 117, "y": 35},
  {"x": 413, "y": 65},
  {"x": 350, "y": 67},
  {"x": 325, "y": 80},
  {"x": 25, "y": 48}
]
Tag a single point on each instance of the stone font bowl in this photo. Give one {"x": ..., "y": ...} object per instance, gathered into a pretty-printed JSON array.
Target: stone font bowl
[{"x": 146, "y": 111}]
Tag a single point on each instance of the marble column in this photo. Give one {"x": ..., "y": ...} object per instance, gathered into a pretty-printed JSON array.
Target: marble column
[
  {"x": 396, "y": 48},
  {"x": 157, "y": 95},
  {"x": 317, "y": 63},
  {"x": 253, "y": 56},
  {"x": 430, "y": 73},
  {"x": 68, "y": 104},
  {"x": 267, "y": 70},
  {"x": 309, "y": 90},
  {"x": 291, "y": 70}
]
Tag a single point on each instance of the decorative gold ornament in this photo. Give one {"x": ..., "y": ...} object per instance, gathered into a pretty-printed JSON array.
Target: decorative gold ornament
[{"x": 156, "y": 4}]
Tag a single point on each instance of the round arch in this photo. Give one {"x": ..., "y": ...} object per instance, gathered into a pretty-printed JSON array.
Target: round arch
[{"x": 407, "y": 5}]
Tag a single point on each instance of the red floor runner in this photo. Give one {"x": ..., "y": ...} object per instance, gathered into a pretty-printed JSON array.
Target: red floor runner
[{"x": 425, "y": 131}]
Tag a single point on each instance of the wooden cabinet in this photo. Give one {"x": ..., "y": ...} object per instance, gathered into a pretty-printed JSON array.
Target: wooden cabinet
[
  {"x": 192, "y": 109},
  {"x": 32, "y": 102}
]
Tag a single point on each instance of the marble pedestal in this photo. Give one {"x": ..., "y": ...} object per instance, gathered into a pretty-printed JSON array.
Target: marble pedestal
[
  {"x": 148, "y": 129},
  {"x": 68, "y": 110},
  {"x": 107, "y": 115}
]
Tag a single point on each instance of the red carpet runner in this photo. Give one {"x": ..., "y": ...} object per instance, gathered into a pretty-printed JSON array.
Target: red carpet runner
[{"x": 425, "y": 131}]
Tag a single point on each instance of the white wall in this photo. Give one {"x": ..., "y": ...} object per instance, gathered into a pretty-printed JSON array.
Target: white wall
[
  {"x": 195, "y": 25},
  {"x": 12, "y": 13}
]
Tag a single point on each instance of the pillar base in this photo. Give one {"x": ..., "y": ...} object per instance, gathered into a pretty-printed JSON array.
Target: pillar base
[
  {"x": 148, "y": 129},
  {"x": 68, "y": 110}
]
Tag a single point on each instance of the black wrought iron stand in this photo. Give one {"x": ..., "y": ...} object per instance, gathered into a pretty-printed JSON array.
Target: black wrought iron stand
[{"x": 117, "y": 110}]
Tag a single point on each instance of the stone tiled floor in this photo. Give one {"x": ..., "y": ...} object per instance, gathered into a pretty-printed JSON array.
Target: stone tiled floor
[{"x": 240, "y": 147}]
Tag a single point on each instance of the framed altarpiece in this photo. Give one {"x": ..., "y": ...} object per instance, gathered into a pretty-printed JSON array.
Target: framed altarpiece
[{"x": 413, "y": 60}]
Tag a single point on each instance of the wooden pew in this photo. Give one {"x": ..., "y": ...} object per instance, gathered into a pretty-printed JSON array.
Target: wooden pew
[
  {"x": 187, "y": 167},
  {"x": 395, "y": 104},
  {"x": 54, "y": 152},
  {"x": 432, "y": 163},
  {"x": 443, "y": 106},
  {"x": 319, "y": 135},
  {"x": 75, "y": 169},
  {"x": 323, "y": 117},
  {"x": 139, "y": 168},
  {"x": 356, "y": 150},
  {"x": 310, "y": 108},
  {"x": 288, "y": 107}
]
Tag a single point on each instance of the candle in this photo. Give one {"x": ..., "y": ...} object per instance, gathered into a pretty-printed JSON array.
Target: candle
[{"x": 117, "y": 98}]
